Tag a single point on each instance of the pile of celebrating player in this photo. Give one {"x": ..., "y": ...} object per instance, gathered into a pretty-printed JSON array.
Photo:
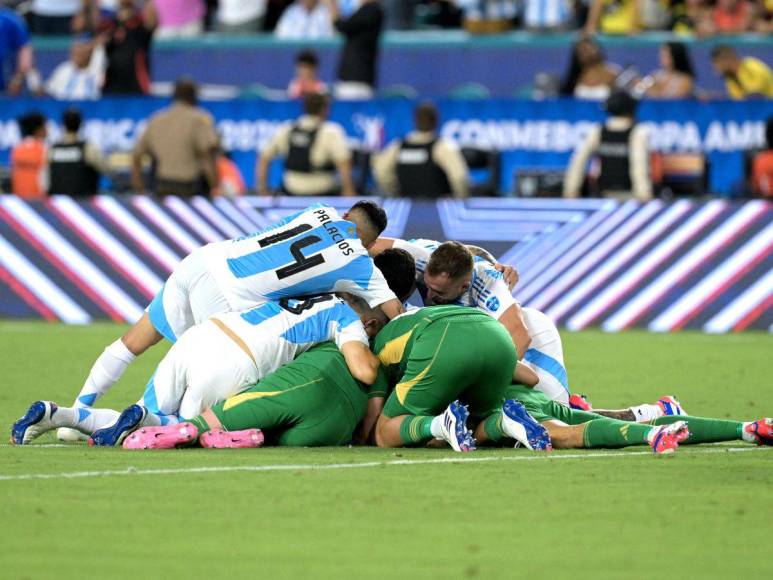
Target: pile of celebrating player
[{"x": 300, "y": 335}]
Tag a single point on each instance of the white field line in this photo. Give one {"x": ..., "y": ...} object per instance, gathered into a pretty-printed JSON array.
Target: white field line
[{"x": 333, "y": 466}]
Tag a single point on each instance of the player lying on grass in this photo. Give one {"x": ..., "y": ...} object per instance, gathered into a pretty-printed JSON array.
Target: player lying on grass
[
  {"x": 312, "y": 252},
  {"x": 437, "y": 358},
  {"x": 473, "y": 282},
  {"x": 313, "y": 401},
  {"x": 221, "y": 357},
  {"x": 573, "y": 429}
]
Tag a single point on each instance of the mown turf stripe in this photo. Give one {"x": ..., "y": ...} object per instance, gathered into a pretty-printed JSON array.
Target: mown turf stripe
[{"x": 323, "y": 466}]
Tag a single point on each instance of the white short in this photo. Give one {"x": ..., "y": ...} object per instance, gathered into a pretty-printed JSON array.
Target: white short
[
  {"x": 203, "y": 367},
  {"x": 189, "y": 296},
  {"x": 546, "y": 356}
]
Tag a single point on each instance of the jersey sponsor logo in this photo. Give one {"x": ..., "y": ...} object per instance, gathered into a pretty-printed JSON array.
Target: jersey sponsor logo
[{"x": 492, "y": 304}]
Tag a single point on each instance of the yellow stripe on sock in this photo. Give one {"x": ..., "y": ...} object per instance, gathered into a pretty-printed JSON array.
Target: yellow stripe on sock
[
  {"x": 232, "y": 402},
  {"x": 403, "y": 388}
]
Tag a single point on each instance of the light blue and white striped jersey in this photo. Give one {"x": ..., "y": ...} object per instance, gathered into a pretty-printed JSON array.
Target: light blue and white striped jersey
[
  {"x": 276, "y": 332},
  {"x": 311, "y": 252},
  {"x": 488, "y": 290},
  {"x": 547, "y": 13}
]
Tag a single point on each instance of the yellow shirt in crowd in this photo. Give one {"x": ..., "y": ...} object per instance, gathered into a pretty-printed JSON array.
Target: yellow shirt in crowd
[{"x": 753, "y": 78}]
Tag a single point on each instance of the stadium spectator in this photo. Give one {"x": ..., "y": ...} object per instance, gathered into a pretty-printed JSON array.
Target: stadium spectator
[
  {"x": 357, "y": 67},
  {"x": 80, "y": 77},
  {"x": 180, "y": 18},
  {"x": 614, "y": 17},
  {"x": 589, "y": 75},
  {"x": 623, "y": 148},
  {"x": 240, "y": 16},
  {"x": 731, "y": 17},
  {"x": 547, "y": 15},
  {"x": 182, "y": 142},
  {"x": 675, "y": 79},
  {"x": 93, "y": 13},
  {"x": 29, "y": 175},
  {"x": 305, "y": 20},
  {"x": 423, "y": 164},
  {"x": 53, "y": 17},
  {"x": 230, "y": 182},
  {"x": 128, "y": 46},
  {"x": 306, "y": 80},
  {"x": 762, "y": 166},
  {"x": 15, "y": 52},
  {"x": 274, "y": 11},
  {"x": 74, "y": 165},
  {"x": 746, "y": 77},
  {"x": 690, "y": 17},
  {"x": 313, "y": 149}
]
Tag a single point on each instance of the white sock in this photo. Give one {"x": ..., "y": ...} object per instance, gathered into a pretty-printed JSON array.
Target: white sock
[
  {"x": 651, "y": 434},
  {"x": 109, "y": 367},
  {"x": 84, "y": 420},
  {"x": 437, "y": 427},
  {"x": 153, "y": 420},
  {"x": 746, "y": 436},
  {"x": 647, "y": 412}
]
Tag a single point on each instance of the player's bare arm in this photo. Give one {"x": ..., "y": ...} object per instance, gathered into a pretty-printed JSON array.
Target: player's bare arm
[{"x": 362, "y": 363}]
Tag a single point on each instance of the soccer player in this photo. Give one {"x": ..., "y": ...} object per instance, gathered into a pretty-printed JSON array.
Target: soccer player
[
  {"x": 573, "y": 429},
  {"x": 221, "y": 357},
  {"x": 311, "y": 252},
  {"x": 313, "y": 401},
  {"x": 434, "y": 357}
]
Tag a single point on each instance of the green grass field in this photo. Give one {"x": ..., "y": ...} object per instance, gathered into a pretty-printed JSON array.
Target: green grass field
[{"x": 417, "y": 513}]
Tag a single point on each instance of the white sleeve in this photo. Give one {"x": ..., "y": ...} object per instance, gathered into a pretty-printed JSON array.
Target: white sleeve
[
  {"x": 375, "y": 290},
  {"x": 489, "y": 291},
  {"x": 354, "y": 331},
  {"x": 421, "y": 250}
]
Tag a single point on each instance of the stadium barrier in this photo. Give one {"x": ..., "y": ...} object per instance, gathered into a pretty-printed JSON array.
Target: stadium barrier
[
  {"x": 530, "y": 134},
  {"x": 432, "y": 62},
  {"x": 659, "y": 266}
]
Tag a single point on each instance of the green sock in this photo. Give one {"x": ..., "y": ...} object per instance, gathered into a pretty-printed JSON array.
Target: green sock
[
  {"x": 200, "y": 423},
  {"x": 613, "y": 433},
  {"x": 416, "y": 429},
  {"x": 705, "y": 430},
  {"x": 493, "y": 427}
]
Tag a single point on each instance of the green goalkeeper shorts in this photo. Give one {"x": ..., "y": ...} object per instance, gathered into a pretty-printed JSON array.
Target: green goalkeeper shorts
[
  {"x": 313, "y": 401},
  {"x": 467, "y": 358}
]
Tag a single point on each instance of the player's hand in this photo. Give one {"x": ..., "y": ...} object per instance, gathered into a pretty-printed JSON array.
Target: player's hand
[{"x": 509, "y": 273}]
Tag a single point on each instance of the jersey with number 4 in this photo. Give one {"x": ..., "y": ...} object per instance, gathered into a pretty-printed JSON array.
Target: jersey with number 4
[
  {"x": 311, "y": 252},
  {"x": 488, "y": 290},
  {"x": 277, "y": 332}
]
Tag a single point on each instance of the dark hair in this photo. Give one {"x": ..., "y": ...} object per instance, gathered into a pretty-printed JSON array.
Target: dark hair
[
  {"x": 425, "y": 117},
  {"x": 451, "y": 258},
  {"x": 30, "y": 123},
  {"x": 769, "y": 132},
  {"x": 185, "y": 90},
  {"x": 307, "y": 57},
  {"x": 721, "y": 50},
  {"x": 621, "y": 104},
  {"x": 681, "y": 57},
  {"x": 71, "y": 119},
  {"x": 399, "y": 270},
  {"x": 574, "y": 70},
  {"x": 315, "y": 104},
  {"x": 376, "y": 215}
]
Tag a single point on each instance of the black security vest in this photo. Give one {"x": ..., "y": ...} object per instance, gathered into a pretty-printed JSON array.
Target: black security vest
[
  {"x": 615, "y": 154},
  {"x": 69, "y": 172},
  {"x": 299, "y": 152},
  {"x": 418, "y": 174}
]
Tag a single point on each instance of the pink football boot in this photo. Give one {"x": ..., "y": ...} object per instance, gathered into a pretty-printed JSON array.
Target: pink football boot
[
  {"x": 167, "y": 437},
  {"x": 232, "y": 439}
]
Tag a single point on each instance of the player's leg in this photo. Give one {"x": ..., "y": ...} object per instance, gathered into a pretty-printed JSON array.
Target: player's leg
[
  {"x": 705, "y": 430},
  {"x": 546, "y": 356},
  {"x": 44, "y": 416},
  {"x": 666, "y": 406}
]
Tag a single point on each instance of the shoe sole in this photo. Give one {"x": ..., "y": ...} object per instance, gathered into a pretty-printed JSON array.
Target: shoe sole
[
  {"x": 32, "y": 417},
  {"x": 124, "y": 426},
  {"x": 537, "y": 438},
  {"x": 463, "y": 439}
]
